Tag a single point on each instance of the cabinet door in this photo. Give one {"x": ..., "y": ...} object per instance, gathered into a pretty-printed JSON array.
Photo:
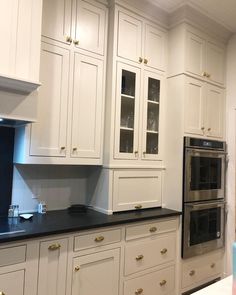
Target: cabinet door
[
  {"x": 56, "y": 23},
  {"x": 48, "y": 134},
  {"x": 90, "y": 27},
  {"x": 52, "y": 267},
  {"x": 215, "y": 62},
  {"x": 127, "y": 112},
  {"x": 195, "y": 54},
  {"x": 155, "y": 48},
  {"x": 96, "y": 274},
  {"x": 214, "y": 115},
  {"x": 194, "y": 107},
  {"x": 151, "y": 114},
  {"x": 129, "y": 37},
  {"x": 87, "y": 113},
  {"x": 12, "y": 283}
]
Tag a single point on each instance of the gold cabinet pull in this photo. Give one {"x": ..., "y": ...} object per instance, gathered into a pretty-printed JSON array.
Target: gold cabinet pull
[
  {"x": 136, "y": 153},
  {"x": 68, "y": 39},
  {"x": 192, "y": 273},
  {"x": 2, "y": 293},
  {"x": 208, "y": 75},
  {"x": 145, "y": 61},
  {"x": 99, "y": 239},
  {"x": 163, "y": 283},
  {"x": 202, "y": 128},
  {"x": 163, "y": 251},
  {"x": 63, "y": 148},
  {"x": 74, "y": 149},
  {"x": 55, "y": 246},
  {"x": 153, "y": 229},
  {"x": 209, "y": 129},
  {"x": 204, "y": 74},
  {"x": 139, "y": 257},
  {"x": 77, "y": 268},
  {"x": 76, "y": 42},
  {"x": 138, "y": 291},
  {"x": 139, "y": 206},
  {"x": 140, "y": 59},
  {"x": 213, "y": 265}
]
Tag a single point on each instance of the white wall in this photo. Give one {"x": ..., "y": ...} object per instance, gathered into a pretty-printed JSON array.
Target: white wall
[
  {"x": 230, "y": 137},
  {"x": 58, "y": 186}
]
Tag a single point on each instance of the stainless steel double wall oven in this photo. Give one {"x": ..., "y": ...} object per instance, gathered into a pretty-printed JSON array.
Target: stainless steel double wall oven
[{"x": 203, "y": 196}]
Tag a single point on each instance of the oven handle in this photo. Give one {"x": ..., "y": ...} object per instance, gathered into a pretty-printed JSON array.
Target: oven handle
[
  {"x": 206, "y": 204},
  {"x": 219, "y": 152}
]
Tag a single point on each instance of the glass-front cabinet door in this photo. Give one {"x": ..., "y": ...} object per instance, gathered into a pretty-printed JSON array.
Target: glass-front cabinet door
[
  {"x": 151, "y": 116},
  {"x": 127, "y": 111}
]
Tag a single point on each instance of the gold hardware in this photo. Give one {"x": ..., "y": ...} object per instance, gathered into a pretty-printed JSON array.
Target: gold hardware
[
  {"x": 54, "y": 247},
  {"x": 145, "y": 61},
  {"x": 77, "y": 268},
  {"x": 192, "y": 273},
  {"x": 74, "y": 149},
  {"x": 213, "y": 265},
  {"x": 164, "y": 251},
  {"x": 209, "y": 129},
  {"x": 208, "y": 75},
  {"x": 76, "y": 42},
  {"x": 202, "y": 128},
  {"x": 136, "y": 153},
  {"x": 144, "y": 153},
  {"x": 153, "y": 229},
  {"x": 68, "y": 39},
  {"x": 99, "y": 239},
  {"x": 138, "y": 206},
  {"x": 204, "y": 74},
  {"x": 2, "y": 293},
  {"x": 163, "y": 282},
  {"x": 139, "y": 257},
  {"x": 139, "y": 291},
  {"x": 140, "y": 59},
  {"x": 63, "y": 148}
]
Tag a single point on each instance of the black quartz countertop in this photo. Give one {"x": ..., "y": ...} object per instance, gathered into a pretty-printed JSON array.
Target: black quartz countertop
[{"x": 60, "y": 221}]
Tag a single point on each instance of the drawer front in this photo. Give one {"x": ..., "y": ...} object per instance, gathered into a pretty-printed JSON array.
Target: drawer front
[
  {"x": 160, "y": 282},
  {"x": 153, "y": 252},
  {"x": 136, "y": 189},
  {"x": 96, "y": 239},
  {"x": 150, "y": 229},
  {"x": 201, "y": 268},
  {"x": 12, "y": 283},
  {"x": 12, "y": 255}
]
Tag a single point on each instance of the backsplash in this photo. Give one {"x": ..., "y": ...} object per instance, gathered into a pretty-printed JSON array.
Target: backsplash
[{"x": 58, "y": 186}]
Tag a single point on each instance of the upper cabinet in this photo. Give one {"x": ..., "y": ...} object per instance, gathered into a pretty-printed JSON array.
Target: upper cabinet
[{"x": 195, "y": 53}]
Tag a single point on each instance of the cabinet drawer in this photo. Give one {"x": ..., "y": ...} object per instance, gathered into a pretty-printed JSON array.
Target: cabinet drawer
[
  {"x": 86, "y": 241},
  {"x": 12, "y": 255},
  {"x": 150, "y": 253},
  {"x": 136, "y": 189},
  {"x": 150, "y": 229},
  {"x": 201, "y": 268},
  {"x": 159, "y": 282},
  {"x": 12, "y": 283}
]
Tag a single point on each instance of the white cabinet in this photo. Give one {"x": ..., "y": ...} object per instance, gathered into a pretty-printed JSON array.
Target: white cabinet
[
  {"x": 141, "y": 41},
  {"x": 96, "y": 273},
  {"x": 53, "y": 267},
  {"x": 12, "y": 282}
]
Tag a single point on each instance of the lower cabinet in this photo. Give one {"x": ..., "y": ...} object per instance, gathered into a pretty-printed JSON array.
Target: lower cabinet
[
  {"x": 96, "y": 274},
  {"x": 12, "y": 283}
]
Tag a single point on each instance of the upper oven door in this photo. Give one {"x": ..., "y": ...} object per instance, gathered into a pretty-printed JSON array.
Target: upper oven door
[{"x": 204, "y": 177}]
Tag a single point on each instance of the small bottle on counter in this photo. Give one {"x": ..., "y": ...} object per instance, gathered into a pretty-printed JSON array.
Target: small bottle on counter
[
  {"x": 10, "y": 211},
  {"x": 15, "y": 210},
  {"x": 42, "y": 208}
]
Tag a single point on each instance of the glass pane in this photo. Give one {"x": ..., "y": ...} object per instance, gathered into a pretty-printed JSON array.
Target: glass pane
[
  {"x": 127, "y": 112},
  {"x": 128, "y": 83},
  {"x": 152, "y": 143},
  {"x": 126, "y": 141},
  {"x": 152, "y": 117},
  {"x": 153, "y": 89}
]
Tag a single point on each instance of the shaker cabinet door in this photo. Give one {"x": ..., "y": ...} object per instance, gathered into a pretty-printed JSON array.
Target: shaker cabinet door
[{"x": 12, "y": 283}]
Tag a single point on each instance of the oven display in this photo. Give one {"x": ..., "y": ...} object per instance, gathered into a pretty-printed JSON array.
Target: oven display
[{"x": 205, "y": 225}]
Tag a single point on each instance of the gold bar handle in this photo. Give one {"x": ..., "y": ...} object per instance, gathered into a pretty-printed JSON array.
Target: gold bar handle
[
  {"x": 139, "y": 257},
  {"x": 163, "y": 251},
  {"x": 192, "y": 273},
  {"x": 163, "y": 283},
  {"x": 77, "y": 268},
  {"x": 153, "y": 229},
  {"x": 54, "y": 247},
  {"x": 138, "y": 291},
  {"x": 99, "y": 239},
  {"x": 138, "y": 206}
]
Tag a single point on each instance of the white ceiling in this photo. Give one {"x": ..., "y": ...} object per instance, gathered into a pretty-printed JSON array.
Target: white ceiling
[{"x": 223, "y": 11}]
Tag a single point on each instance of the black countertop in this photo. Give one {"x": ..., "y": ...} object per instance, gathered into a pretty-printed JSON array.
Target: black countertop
[{"x": 57, "y": 222}]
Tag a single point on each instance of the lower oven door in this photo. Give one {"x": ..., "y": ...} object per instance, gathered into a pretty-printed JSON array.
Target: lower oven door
[{"x": 203, "y": 228}]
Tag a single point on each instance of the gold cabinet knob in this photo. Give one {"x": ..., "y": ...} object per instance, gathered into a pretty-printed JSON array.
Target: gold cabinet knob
[
  {"x": 139, "y": 257},
  {"x": 2, "y": 293},
  {"x": 139, "y": 206},
  {"x": 74, "y": 149},
  {"x": 145, "y": 61},
  {"x": 204, "y": 74},
  {"x": 202, "y": 128},
  {"x": 53, "y": 247},
  {"x": 213, "y": 265},
  {"x": 209, "y": 129},
  {"x": 68, "y": 39},
  {"x": 63, "y": 148},
  {"x": 99, "y": 239},
  {"x": 138, "y": 291},
  {"x": 164, "y": 251},
  {"x": 153, "y": 229},
  {"x": 192, "y": 273},
  {"x": 77, "y": 268},
  {"x": 208, "y": 75},
  {"x": 163, "y": 283},
  {"x": 140, "y": 59},
  {"x": 76, "y": 42}
]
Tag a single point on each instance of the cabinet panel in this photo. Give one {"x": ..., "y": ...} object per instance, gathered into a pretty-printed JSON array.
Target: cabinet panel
[
  {"x": 87, "y": 107},
  {"x": 194, "y": 106},
  {"x": 90, "y": 27},
  {"x": 57, "y": 19},
  {"x": 48, "y": 135},
  {"x": 129, "y": 37},
  {"x": 12, "y": 283},
  {"x": 52, "y": 267},
  {"x": 96, "y": 274},
  {"x": 155, "y": 47}
]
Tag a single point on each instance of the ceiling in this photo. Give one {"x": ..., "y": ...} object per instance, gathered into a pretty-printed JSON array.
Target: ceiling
[{"x": 221, "y": 11}]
